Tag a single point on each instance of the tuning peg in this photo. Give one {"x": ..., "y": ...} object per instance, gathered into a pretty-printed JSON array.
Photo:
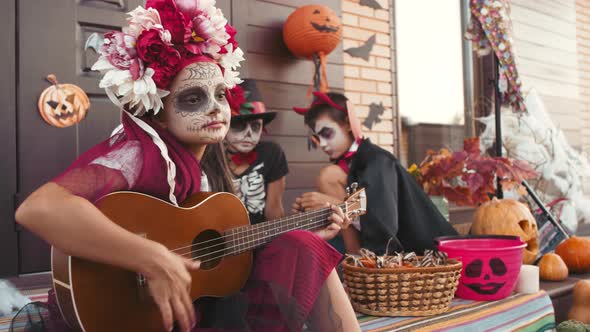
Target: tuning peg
[
  {"x": 354, "y": 186},
  {"x": 347, "y": 191}
]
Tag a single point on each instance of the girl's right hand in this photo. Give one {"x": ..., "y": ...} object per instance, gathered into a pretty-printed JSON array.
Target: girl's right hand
[{"x": 169, "y": 282}]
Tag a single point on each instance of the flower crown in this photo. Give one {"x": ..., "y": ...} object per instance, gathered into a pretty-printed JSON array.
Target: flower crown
[{"x": 140, "y": 62}]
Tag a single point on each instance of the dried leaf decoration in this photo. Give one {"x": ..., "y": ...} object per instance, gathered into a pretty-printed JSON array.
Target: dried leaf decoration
[{"x": 467, "y": 177}]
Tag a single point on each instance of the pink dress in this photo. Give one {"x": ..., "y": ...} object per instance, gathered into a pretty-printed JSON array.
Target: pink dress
[{"x": 287, "y": 274}]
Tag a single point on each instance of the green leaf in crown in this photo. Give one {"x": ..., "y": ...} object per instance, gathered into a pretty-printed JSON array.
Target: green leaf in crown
[{"x": 246, "y": 108}]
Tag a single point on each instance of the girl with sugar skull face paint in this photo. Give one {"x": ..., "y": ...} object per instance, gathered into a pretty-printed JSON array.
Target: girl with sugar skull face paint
[
  {"x": 396, "y": 205},
  {"x": 259, "y": 168},
  {"x": 172, "y": 92}
]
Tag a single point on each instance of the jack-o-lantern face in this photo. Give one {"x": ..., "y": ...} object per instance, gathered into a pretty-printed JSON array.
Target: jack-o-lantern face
[
  {"x": 63, "y": 105},
  {"x": 485, "y": 278},
  {"x": 508, "y": 217},
  {"x": 323, "y": 23},
  {"x": 312, "y": 29}
]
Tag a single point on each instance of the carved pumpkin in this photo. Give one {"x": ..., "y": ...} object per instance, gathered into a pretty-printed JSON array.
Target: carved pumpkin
[
  {"x": 312, "y": 29},
  {"x": 552, "y": 268},
  {"x": 62, "y": 105},
  {"x": 508, "y": 217},
  {"x": 575, "y": 252},
  {"x": 580, "y": 310}
]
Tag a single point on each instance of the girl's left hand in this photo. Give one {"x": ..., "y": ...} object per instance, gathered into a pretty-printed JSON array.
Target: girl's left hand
[{"x": 339, "y": 221}]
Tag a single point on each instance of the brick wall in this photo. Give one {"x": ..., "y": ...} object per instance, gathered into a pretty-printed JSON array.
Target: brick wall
[{"x": 371, "y": 81}]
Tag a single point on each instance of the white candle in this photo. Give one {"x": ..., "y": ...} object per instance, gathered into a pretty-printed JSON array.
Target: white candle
[{"x": 528, "y": 279}]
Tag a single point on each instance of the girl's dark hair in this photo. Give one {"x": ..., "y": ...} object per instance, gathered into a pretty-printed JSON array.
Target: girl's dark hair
[
  {"x": 336, "y": 115},
  {"x": 215, "y": 165}
]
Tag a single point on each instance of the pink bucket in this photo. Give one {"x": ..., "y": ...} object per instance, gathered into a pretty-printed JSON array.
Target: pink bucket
[{"x": 491, "y": 264}]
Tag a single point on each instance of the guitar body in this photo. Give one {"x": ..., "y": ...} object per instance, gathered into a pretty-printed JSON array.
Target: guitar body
[{"x": 97, "y": 297}]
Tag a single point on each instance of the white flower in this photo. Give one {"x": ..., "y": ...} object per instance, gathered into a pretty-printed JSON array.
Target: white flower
[
  {"x": 139, "y": 95},
  {"x": 141, "y": 19},
  {"x": 232, "y": 59},
  {"x": 231, "y": 78}
]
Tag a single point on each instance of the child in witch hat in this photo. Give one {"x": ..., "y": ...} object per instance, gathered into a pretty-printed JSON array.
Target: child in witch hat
[{"x": 259, "y": 167}]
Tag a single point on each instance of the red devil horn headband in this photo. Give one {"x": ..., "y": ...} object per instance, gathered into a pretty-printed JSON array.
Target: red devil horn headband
[{"x": 320, "y": 99}]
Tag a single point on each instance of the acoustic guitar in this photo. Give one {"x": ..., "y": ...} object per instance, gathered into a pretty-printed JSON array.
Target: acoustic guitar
[{"x": 211, "y": 227}]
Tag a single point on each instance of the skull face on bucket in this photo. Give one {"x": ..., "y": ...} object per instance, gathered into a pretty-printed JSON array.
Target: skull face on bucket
[{"x": 485, "y": 277}]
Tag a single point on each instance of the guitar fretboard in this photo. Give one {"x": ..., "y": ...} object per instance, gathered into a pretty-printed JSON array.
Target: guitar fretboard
[{"x": 252, "y": 236}]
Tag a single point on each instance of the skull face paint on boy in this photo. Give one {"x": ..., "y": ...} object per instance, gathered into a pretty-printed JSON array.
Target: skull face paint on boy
[
  {"x": 243, "y": 136},
  {"x": 334, "y": 139},
  {"x": 196, "y": 109}
]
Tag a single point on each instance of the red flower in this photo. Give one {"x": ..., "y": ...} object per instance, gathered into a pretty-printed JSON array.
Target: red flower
[
  {"x": 232, "y": 38},
  {"x": 173, "y": 20},
  {"x": 164, "y": 59},
  {"x": 163, "y": 74},
  {"x": 236, "y": 98}
]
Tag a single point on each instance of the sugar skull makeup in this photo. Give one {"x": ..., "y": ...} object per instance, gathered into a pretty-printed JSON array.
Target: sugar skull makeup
[
  {"x": 243, "y": 136},
  {"x": 334, "y": 139},
  {"x": 196, "y": 110}
]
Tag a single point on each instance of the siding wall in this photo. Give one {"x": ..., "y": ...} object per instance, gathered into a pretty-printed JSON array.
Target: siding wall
[{"x": 548, "y": 58}]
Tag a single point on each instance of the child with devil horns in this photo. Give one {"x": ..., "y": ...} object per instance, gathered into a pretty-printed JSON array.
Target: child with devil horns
[
  {"x": 397, "y": 207},
  {"x": 169, "y": 71},
  {"x": 259, "y": 167}
]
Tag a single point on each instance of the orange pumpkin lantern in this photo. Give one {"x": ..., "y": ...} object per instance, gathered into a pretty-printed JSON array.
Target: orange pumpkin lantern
[
  {"x": 63, "y": 105},
  {"x": 508, "y": 217},
  {"x": 313, "y": 31}
]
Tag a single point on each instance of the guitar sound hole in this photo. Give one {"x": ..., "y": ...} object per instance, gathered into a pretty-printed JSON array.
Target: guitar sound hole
[{"x": 208, "y": 247}]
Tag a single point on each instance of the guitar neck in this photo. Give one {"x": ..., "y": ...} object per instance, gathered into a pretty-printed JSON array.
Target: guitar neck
[{"x": 253, "y": 236}]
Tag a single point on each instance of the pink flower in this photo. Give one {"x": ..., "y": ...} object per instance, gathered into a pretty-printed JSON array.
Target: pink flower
[
  {"x": 232, "y": 38},
  {"x": 119, "y": 49}
]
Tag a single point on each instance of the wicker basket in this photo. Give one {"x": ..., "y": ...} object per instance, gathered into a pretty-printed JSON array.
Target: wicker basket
[{"x": 419, "y": 291}]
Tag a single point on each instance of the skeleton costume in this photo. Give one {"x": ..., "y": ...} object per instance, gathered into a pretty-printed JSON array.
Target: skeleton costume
[
  {"x": 267, "y": 161},
  {"x": 139, "y": 65}
]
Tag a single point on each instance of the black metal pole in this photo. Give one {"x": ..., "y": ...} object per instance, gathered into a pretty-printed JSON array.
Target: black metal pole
[
  {"x": 544, "y": 209},
  {"x": 498, "y": 118}
]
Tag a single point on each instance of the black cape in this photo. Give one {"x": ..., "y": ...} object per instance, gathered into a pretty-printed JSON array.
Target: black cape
[{"x": 397, "y": 206}]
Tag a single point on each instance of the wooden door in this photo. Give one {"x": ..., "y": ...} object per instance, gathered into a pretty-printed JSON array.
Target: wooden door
[{"x": 51, "y": 38}]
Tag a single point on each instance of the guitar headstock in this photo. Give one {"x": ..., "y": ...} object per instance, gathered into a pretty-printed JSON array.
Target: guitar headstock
[{"x": 356, "y": 201}]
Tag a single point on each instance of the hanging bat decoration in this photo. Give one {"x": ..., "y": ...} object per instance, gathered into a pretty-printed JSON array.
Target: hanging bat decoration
[
  {"x": 94, "y": 42},
  {"x": 375, "y": 111},
  {"x": 371, "y": 3},
  {"x": 363, "y": 51}
]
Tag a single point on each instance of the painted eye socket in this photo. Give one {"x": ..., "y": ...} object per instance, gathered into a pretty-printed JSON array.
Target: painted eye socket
[
  {"x": 238, "y": 125},
  {"x": 256, "y": 126},
  {"x": 473, "y": 270},
  {"x": 498, "y": 267},
  {"x": 326, "y": 133}
]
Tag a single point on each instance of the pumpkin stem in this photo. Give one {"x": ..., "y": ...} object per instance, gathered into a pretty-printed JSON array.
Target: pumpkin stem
[{"x": 52, "y": 79}]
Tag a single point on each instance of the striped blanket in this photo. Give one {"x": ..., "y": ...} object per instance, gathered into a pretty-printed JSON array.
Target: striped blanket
[{"x": 518, "y": 312}]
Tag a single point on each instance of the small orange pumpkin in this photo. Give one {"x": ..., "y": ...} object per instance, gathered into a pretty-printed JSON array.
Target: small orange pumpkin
[
  {"x": 575, "y": 252},
  {"x": 62, "y": 105},
  {"x": 552, "y": 268},
  {"x": 312, "y": 29},
  {"x": 508, "y": 217},
  {"x": 580, "y": 309}
]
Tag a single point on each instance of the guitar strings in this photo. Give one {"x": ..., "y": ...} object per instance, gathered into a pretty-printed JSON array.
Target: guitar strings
[
  {"x": 228, "y": 254},
  {"x": 254, "y": 240},
  {"x": 312, "y": 214}
]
